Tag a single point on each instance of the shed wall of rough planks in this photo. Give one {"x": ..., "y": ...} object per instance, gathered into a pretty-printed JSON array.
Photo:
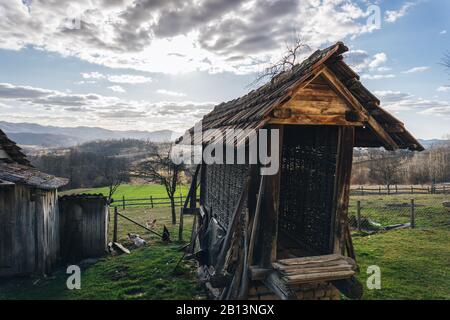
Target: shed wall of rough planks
[
  {"x": 29, "y": 230},
  {"x": 84, "y": 227}
]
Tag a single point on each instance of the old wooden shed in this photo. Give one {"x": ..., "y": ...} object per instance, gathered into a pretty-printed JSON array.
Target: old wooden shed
[
  {"x": 287, "y": 234},
  {"x": 84, "y": 226},
  {"x": 29, "y": 215}
]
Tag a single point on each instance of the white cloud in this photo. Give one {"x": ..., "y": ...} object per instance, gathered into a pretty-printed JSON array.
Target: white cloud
[
  {"x": 397, "y": 101},
  {"x": 379, "y": 59},
  {"x": 170, "y": 93},
  {"x": 117, "y": 89},
  {"x": 443, "y": 89},
  {"x": 393, "y": 15},
  {"x": 416, "y": 70},
  {"x": 31, "y": 104},
  {"x": 361, "y": 61},
  {"x": 122, "y": 78},
  {"x": 209, "y": 35},
  {"x": 443, "y": 32},
  {"x": 377, "y": 76}
]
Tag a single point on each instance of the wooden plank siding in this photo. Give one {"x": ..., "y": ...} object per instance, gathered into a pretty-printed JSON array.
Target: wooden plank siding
[
  {"x": 319, "y": 103},
  {"x": 29, "y": 224},
  {"x": 84, "y": 231}
]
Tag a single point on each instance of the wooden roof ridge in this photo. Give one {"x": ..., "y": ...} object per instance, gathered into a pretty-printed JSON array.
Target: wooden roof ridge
[
  {"x": 13, "y": 150},
  {"x": 254, "y": 108}
]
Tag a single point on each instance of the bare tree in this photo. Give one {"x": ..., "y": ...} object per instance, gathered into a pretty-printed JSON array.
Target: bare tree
[
  {"x": 288, "y": 60},
  {"x": 115, "y": 171},
  {"x": 159, "y": 168},
  {"x": 385, "y": 167}
]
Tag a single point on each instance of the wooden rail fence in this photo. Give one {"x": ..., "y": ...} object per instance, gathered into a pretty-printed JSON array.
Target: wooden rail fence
[
  {"x": 394, "y": 189},
  {"x": 151, "y": 202}
]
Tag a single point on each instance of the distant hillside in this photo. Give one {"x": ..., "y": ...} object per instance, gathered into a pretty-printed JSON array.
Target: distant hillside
[
  {"x": 433, "y": 142},
  {"x": 52, "y": 136}
]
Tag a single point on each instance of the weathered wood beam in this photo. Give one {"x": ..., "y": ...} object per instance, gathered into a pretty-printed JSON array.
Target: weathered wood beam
[
  {"x": 267, "y": 238},
  {"x": 232, "y": 227},
  {"x": 274, "y": 282},
  {"x": 317, "y": 119},
  {"x": 342, "y": 187}
]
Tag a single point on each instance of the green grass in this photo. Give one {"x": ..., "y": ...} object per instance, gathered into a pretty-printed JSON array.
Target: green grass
[
  {"x": 429, "y": 211},
  {"x": 414, "y": 263},
  {"x": 147, "y": 273},
  {"x": 133, "y": 191}
]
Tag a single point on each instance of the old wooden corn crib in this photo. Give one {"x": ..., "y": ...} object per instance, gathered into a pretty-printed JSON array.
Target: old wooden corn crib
[{"x": 286, "y": 235}]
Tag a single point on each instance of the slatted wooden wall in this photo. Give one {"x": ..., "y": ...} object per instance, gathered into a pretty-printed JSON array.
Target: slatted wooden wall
[
  {"x": 29, "y": 224},
  {"x": 84, "y": 231}
]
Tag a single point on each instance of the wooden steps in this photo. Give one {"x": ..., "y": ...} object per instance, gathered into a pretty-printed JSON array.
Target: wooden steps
[{"x": 315, "y": 269}]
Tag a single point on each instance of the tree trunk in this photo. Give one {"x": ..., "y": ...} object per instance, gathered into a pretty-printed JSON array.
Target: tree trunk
[{"x": 174, "y": 215}]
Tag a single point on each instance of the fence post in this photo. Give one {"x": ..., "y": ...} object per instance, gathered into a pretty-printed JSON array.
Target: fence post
[
  {"x": 181, "y": 199},
  {"x": 358, "y": 215},
  {"x": 379, "y": 190},
  {"x": 362, "y": 190},
  {"x": 115, "y": 225},
  {"x": 412, "y": 190},
  {"x": 413, "y": 222},
  {"x": 396, "y": 189},
  {"x": 123, "y": 202},
  {"x": 180, "y": 230},
  {"x": 443, "y": 189},
  {"x": 151, "y": 201}
]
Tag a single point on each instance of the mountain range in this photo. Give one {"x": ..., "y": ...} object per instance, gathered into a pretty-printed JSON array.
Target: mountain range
[{"x": 30, "y": 134}]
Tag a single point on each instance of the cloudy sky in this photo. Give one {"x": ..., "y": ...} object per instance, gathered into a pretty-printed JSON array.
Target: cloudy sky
[{"x": 162, "y": 64}]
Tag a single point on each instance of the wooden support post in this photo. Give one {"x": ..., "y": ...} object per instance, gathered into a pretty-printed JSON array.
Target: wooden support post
[
  {"x": 362, "y": 190},
  {"x": 413, "y": 218},
  {"x": 412, "y": 190},
  {"x": 379, "y": 190},
  {"x": 115, "y": 225},
  {"x": 396, "y": 189},
  {"x": 123, "y": 202},
  {"x": 342, "y": 188},
  {"x": 232, "y": 227},
  {"x": 151, "y": 201},
  {"x": 358, "y": 215},
  {"x": 268, "y": 233}
]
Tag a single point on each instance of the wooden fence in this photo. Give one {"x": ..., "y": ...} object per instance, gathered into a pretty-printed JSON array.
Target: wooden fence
[
  {"x": 151, "y": 202},
  {"x": 394, "y": 189}
]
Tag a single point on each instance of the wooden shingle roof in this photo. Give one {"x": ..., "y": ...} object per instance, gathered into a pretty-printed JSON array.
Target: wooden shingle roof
[
  {"x": 13, "y": 151},
  {"x": 253, "y": 110},
  {"x": 20, "y": 174},
  {"x": 17, "y": 169}
]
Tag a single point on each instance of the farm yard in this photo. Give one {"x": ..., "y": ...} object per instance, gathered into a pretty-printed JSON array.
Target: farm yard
[{"x": 414, "y": 262}]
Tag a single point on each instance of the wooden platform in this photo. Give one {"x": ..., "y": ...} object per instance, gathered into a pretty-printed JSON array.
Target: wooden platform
[{"x": 315, "y": 269}]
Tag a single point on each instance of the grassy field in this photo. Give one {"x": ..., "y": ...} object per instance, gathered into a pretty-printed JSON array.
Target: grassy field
[
  {"x": 147, "y": 273},
  {"x": 134, "y": 191},
  {"x": 414, "y": 263},
  {"x": 392, "y": 209}
]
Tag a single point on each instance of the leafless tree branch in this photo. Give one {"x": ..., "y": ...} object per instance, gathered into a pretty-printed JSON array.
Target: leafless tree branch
[
  {"x": 159, "y": 168},
  {"x": 285, "y": 63}
]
